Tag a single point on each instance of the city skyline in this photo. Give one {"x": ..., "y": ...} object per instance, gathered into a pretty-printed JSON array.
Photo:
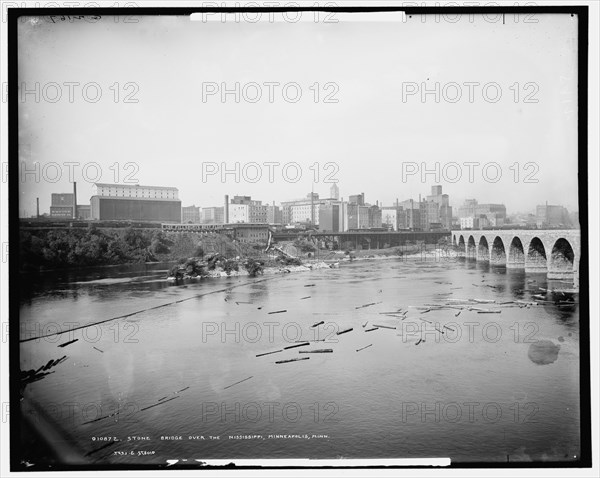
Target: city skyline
[{"x": 455, "y": 204}]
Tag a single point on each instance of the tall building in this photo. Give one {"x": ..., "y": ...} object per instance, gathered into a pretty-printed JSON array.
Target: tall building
[
  {"x": 213, "y": 215},
  {"x": 135, "y": 203},
  {"x": 301, "y": 210},
  {"x": 495, "y": 214},
  {"x": 274, "y": 215},
  {"x": 374, "y": 217},
  {"x": 444, "y": 214},
  {"x": 245, "y": 210},
  {"x": 393, "y": 217},
  {"x": 552, "y": 216},
  {"x": 334, "y": 191},
  {"x": 357, "y": 199},
  {"x": 330, "y": 217},
  {"x": 61, "y": 205},
  {"x": 190, "y": 215}
]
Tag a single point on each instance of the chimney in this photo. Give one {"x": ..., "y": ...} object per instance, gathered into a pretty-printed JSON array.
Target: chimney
[
  {"x": 37, "y": 201},
  {"x": 74, "y": 200},
  {"x": 226, "y": 210}
]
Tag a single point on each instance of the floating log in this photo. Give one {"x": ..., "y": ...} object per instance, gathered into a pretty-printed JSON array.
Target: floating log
[
  {"x": 420, "y": 340},
  {"x": 229, "y": 386},
  {"x": 367, "y": 305},
  {"x": 345, "y": 331},
  {"x": 99, "y": 349},
  {"x": 317, "y": 324},
  {"x": 157, "y": 404},
  {"x": 241, "y": 302},
  {"x": 309, "y": 285},
  {"x": 458, "y": 313},
  {"x": 317, "y": 351},
  {"x": 365, "y": 347},
  {"x": 484, "y": 301},
  {"x": 384, "y": 326},
  {"x": 48, "y": 365},
  {"x": 269, "y": 353},
  {"x": 278, "y": 311},
  {"x": 182, "y": 390},
  {"x": 307, "y": 297},
  {"x": 371, "y": 329},
  {"x": 296, "y": 345},
  {"x": 449, "y": 328},
  {"x": 293, "y": 360},
  {"x": 489, "y": 311},
  {"x": 68, "y": 343},
  {"x": 365, "y": 323}
]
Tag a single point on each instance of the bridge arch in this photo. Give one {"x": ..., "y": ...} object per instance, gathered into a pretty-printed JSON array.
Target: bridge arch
[
  {"x": 483, "y": 250},
  {"x": 498, "y": 254},
  {"x": 562, "y": 259},
  {"x": 516, "y": 254},
  {"x": 471, "y": 248},
  {"x": 536, "y": 259}
]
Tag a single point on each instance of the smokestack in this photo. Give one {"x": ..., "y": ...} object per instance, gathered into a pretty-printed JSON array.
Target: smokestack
[
  {"x": 226, "y": 210},
  {"x": 37, "y": 213},
  {"x": 396, "y": 202},
  {"x": 74, "y": 200}
]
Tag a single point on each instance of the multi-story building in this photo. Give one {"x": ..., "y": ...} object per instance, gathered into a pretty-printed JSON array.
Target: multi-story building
[
  {"x": 552, "y": 216},
  {"x": 393, "y": 217},
  {"x": 213, "y": 215},
  {"x": 494, "y": 213},
  {"x": 330, "y": 217},
  {"x": 301, "y": 210},
  {"x": 334, "y": 192},
  {"x": 274, "y": 215},
  {"x": 135, "y": 202},
  {"x": 239, "y": 213},
  {"x": 357, "y": 199},
  {"x": 444, "y": 213},
  {"x": 251, "y": 232},
  {"x": 61, "y": 205},
  {"x": 191, "y": 215},
  {"x": 244, "y": 209},
  {"x": 374, "y": 217}
]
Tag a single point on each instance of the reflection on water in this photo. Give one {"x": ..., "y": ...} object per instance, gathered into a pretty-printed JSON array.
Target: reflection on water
[{"x": 428, "y": 382}]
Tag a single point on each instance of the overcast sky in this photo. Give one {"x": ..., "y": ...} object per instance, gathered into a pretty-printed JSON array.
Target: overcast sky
[{"x": 371, "y": 133}]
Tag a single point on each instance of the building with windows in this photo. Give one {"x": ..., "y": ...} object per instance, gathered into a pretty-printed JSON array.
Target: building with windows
[
  {"x": 61, "y": 205},
  {"x": 135, "y": 203},
  {"x": 245, "y": 210},
  {"x": 213, "y": 215},
  {"x": 274, "y": 215},
  {"x": 552, "y": 216},
  {"x": 301, "y": 210},
  {"x": 191, "y": 215},
  {"x": 495, "y": 213}
]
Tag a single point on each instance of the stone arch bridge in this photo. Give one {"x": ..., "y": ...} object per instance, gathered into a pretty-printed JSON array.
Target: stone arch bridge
[{"x": 552, "y": 251}]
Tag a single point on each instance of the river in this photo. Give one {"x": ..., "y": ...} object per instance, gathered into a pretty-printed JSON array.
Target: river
[{"x": 183, "y": 381}]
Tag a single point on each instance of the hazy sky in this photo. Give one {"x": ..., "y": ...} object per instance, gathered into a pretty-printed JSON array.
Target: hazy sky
[{"x": 371, "y": 133}]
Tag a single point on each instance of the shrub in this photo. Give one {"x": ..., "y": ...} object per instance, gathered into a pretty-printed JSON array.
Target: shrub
[{"x": 253, "y": 267}]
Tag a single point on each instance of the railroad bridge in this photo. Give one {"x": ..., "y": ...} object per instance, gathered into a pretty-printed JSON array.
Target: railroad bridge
[{"x": 556, "y": 252}]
